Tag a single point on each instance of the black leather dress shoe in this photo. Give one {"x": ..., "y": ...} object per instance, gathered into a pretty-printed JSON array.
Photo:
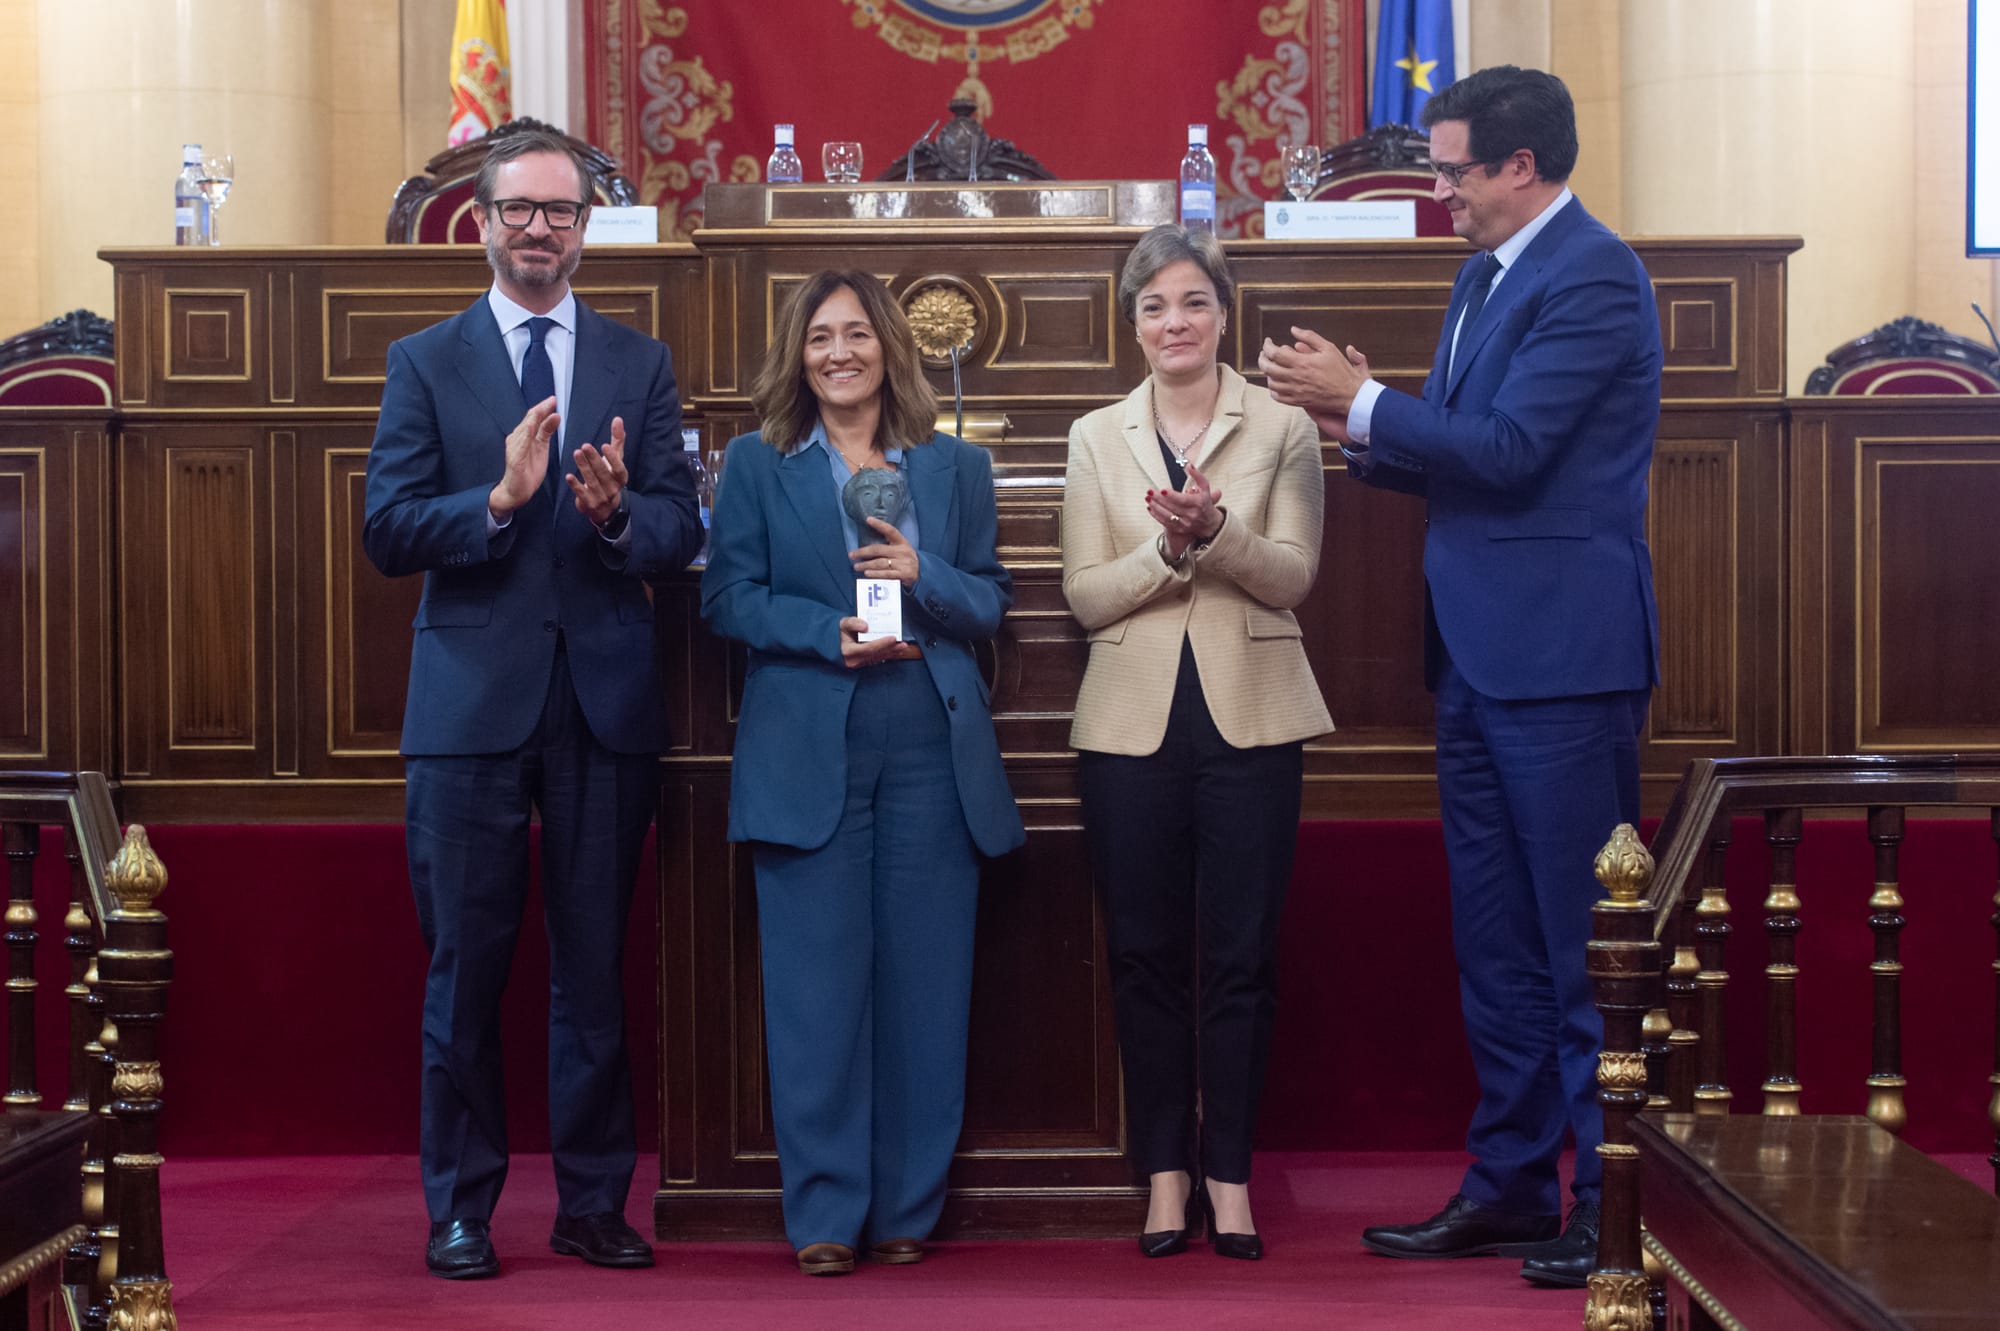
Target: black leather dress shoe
[
  {"x": 1168, "y": 1242},
  {"x": 1566, "y": 1263},
  {"x": 602, "y": 1239},
  {"x": 461, "y": 1250},
  {"x": 1243, "y": 1247},
  {"x": 1463, "y": 1229}
]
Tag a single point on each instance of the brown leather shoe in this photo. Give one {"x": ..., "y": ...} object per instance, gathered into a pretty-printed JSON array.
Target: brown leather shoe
[
  {"x": 826, "y": 1259},
  {"x": 898, "y": 1252}
]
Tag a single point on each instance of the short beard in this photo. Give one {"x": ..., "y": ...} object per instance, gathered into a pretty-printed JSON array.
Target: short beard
[{"x": 501, "y": 258}]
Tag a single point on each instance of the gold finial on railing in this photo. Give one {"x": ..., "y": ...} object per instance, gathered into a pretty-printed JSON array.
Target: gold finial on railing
[
  {"x": 1625, "y": 866},
  {"x": 135, "y": 874}
]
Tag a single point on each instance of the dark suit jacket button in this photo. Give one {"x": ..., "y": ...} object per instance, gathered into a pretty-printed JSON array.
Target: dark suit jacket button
[
  {"x": 548, "y": 626},
  {"x": 952, "y": 702},
  {"x": 930, "y": 642},
  {"x": 559, "y": 562}
]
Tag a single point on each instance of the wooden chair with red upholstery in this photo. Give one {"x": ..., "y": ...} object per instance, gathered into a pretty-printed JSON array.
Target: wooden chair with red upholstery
[
  {"x": 1905, "y": 357},
  {"x": 64, "y": 363},
  {"x": 435, "y": 208},
  {"x": 1388, "y": 162}
]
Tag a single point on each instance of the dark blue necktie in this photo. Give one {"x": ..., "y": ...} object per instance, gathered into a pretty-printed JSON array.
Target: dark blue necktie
[
  {"x": 1482, "y": 287},
  {"x": 538, "y": 380}
]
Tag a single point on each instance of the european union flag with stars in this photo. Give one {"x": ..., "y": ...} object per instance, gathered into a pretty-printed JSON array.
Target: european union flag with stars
[{"x": 1413, "y": 59}]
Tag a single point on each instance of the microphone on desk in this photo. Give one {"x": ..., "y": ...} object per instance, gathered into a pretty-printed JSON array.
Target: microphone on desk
[
  {"x": 910, "y": 158},
  {"x": 1991, "y": 335},
  {"x": 957, "y": 396}
]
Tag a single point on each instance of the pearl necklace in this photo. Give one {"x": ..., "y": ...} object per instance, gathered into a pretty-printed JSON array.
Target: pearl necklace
[{"x": 1180, "y": 454}]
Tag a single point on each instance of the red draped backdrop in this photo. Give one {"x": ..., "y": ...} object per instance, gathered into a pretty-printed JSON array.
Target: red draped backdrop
[{"x": 683, "y": 92}]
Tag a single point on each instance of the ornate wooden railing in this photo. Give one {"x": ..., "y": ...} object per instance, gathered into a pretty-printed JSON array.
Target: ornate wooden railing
[
  {"x": 119, "y": 967},
  {"x": 1656, "y": 961}
]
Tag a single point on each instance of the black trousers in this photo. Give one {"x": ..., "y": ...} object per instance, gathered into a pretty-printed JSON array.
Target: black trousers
[
  {"x": 1191, "y": 848},
  {"x": 468, "y": 818}
]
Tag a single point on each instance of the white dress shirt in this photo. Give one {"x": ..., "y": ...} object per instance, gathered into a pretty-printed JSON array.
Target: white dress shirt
[{"x": 1361, "y": 415}]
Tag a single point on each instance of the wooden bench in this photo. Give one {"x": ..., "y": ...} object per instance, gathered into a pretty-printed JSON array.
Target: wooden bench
[{"x": 1792, "y": 1222}]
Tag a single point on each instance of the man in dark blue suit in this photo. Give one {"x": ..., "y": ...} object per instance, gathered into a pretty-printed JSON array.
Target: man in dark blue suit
[
  {"x": 532, "y": 686},
  {"x": 1531, "y": 444}
]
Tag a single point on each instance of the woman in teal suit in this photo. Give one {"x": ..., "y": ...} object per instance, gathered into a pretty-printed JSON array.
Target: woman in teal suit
[{"x": 867, "y": 777}]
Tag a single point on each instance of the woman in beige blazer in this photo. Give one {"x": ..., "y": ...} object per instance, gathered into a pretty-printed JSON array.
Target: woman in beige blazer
[{"x": 1191, "y": 527}]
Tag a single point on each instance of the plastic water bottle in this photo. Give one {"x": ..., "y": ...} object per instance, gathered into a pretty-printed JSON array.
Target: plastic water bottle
[
  {"x": 704, "y": 484},
  {"x": 784, "y": 168},
  {"x": 190, "y": 208},
  {"x": 1198, "y": 182}
]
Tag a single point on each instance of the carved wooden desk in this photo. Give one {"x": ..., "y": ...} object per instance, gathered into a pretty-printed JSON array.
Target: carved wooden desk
[
  {"x": 41, "y": 1212},
  {"x": 1797, "y": 1222}
]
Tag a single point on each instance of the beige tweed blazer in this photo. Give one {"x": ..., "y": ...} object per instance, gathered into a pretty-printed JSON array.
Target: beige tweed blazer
[{"x": 1232, "y": 600}]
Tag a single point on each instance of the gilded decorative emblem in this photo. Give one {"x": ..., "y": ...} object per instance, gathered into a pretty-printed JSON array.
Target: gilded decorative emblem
[
  {"x": 973, "y": 32},
  {"x": 1625, "y": 866},
  {"x": 1617, "y": 1303},
  {"x": 135, "y": 874},
  {"x": 142, "y": 1305},
  {"x": 1621, "y": 1070},
  {"x": 942, "y": 317},
  {"x": 137, "y": 1081}
]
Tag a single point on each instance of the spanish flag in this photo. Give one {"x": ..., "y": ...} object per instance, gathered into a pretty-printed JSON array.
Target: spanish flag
[{"x": 479, "y": 85}]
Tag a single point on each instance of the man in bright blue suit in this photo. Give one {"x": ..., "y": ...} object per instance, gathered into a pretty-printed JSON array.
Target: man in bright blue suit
[
  {"x": 532, "y": 686},
  {"x": 1531, "y": 443}
]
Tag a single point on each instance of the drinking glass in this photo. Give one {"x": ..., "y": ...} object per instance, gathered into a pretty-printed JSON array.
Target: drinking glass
[
  {"x": 1301, "y": 169},
  {"x": 217, "y": 171},
  {"x": 841, "y": 161}
]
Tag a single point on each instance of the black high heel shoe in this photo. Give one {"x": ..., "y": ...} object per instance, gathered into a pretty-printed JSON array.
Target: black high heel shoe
[
  {"x": 1244, "y": 1247},
  {"x": 1167, "y": 1242}
]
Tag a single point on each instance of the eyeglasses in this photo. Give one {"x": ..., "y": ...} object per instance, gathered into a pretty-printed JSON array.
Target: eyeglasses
[
  {"x": 1451, "y": 173},
  {"x": 518, "y": 214}
]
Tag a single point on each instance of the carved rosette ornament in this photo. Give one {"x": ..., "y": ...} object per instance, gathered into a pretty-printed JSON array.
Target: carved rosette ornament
[
  {"x": 142, "y": 1305},
  {"x": 1617, "y": 1303},
  {"x": 1625, "y": 866},
  {"x": 135, "y": 874},
  {"x": 941, "y": 317}
]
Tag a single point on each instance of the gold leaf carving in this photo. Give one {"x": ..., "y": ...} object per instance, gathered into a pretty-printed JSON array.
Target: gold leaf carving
[{"x": 942, "y": 317}]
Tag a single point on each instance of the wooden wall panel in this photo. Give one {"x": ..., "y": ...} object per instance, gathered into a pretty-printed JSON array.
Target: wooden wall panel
[
  {"x": 354, "y": 624},
  {"x": 1891, "y": 561},
  {"x": 212, "y": 597},
  {"x": 1930, "y": 608},
  {"x": 24, "y": 568}
]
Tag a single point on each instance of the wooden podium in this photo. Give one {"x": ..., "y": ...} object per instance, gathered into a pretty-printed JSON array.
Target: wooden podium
[{"x": 260, "y": 661}]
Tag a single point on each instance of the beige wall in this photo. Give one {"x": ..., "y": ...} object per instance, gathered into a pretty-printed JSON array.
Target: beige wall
[
  {"x": 20, "y": 154},
  {"x": 1945, "y": 282}
]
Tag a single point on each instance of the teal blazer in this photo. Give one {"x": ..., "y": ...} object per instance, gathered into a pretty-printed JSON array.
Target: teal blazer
[{"x": 779, "y": 582}]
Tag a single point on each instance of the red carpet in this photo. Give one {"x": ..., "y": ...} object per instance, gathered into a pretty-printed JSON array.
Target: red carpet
[{"x": 336, "y": 1242}]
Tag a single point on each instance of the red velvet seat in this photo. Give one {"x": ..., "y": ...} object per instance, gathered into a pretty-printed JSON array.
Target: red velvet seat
[
  {"x": 1388, "y": 162},
  {"x": 436, "y": 208},
  {"x": 1906, "y": 357},
  {"x": 64, "y": 363}
]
